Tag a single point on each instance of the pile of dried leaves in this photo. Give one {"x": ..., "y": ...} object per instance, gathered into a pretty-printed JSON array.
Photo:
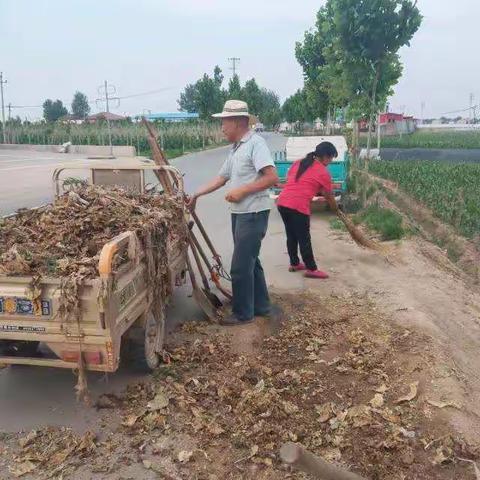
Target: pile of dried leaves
[
  {"x": 50, "y": 452},
  {"x": 336, "y": 378},
  {"x": 67, "y": 236}
]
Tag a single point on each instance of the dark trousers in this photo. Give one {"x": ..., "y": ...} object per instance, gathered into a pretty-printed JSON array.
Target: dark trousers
[
  {"x": 250, "y": 293},
  {"x": 297, "y": 227}
]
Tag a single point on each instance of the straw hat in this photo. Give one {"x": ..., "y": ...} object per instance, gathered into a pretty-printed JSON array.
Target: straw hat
[{"x": 233, "y": 108}]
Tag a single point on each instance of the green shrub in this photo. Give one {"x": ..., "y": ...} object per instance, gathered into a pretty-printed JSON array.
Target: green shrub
[
  {"x": 336, "y": 224},
  {"x": 386, "y": 222}
]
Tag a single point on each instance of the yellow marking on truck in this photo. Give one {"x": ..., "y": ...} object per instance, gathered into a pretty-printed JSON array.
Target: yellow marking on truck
[
  {"x": 10, "y": 305},
  {"x": 109, "y": 349}
]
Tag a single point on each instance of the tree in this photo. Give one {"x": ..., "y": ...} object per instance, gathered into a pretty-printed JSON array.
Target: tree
[
  {"x": 272, "y": 113},
  {"x": 351, "y": 57},
  {"x": 52, "y": 111},
  {"x": 234, "y": 88},
  {"x": 80, "y": 106},
  {"x": 296, "y": 108},
  {"x": 205, "y": 96},
  {"x": 252, "y": 94},
  {"x": 187, "y": 99},
  {"x": 321, "y": 70},
  {"x": 369, "y": 34}
]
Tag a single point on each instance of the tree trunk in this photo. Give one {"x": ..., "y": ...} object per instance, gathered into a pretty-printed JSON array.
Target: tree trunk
[
  {"x": 379, "y": 134},
  {"x": 372, "y": 113}
]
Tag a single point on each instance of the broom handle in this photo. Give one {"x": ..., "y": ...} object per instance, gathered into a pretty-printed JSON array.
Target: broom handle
[{"x": 296, "y": 455}]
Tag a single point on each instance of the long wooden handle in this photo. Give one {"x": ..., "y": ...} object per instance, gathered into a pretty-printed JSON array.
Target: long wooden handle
[{"x": 295, "y": 454}]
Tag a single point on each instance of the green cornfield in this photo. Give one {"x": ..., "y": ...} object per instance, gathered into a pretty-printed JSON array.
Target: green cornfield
[
  {"x": 451, "y": 191},
  {"x": 173, "y": 136},
  {"x": 430, "y": 139}
]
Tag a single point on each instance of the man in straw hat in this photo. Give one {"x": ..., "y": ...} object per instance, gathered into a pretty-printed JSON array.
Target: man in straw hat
[{"x": 251, "y": 172}]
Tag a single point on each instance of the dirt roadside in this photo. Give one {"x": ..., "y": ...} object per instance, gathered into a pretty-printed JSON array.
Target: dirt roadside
[{"x": 418, "y": 288}]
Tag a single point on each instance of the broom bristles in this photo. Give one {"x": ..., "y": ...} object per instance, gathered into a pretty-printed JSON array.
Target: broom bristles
[{"x": 358, "y": 237}]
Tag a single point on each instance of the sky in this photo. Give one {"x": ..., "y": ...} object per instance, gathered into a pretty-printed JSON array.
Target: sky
[{"x": 51, "y": 48}]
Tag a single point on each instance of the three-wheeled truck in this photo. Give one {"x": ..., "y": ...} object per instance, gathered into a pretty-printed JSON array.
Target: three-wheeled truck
[
  {"x": 297, "y": 147},
  {"x": 115, "y": 305}
]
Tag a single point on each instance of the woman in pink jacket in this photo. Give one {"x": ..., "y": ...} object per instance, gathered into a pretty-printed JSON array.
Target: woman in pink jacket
[{"x": 306, "y": 179}]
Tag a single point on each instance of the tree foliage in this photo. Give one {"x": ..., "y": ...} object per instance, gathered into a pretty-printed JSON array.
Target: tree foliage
[
  {"x": 80, "y": 106},
  {"x": 296, "y": 109},
  {"x": 206, "y": 96},
  {"x": 351, "y": 56},
  {"x": 235, "y": 88},
  {"x": 52, "y": 111}
]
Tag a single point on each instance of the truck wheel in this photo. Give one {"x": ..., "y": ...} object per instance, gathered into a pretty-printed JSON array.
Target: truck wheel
[
  {"x": 144, "y": 343},
  {"x": 153, "y": 339}
]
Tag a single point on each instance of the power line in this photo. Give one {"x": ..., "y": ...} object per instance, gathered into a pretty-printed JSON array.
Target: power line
[
  {"x": 92, "y": 102},
  {"x": 460, "y": 111},
  {"x": 143, "y": 94}
]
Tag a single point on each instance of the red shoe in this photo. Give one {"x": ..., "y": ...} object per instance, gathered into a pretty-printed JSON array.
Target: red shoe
[
  {"x": 316, "y": 274},
  {"x": 297, "y": 268}
]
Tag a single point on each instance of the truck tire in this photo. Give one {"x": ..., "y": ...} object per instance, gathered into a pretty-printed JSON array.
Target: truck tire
[{"x": 145, "y": 342}]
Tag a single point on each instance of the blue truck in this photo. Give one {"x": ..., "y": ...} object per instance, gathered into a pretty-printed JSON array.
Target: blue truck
[{"x": 297, "y": 147}]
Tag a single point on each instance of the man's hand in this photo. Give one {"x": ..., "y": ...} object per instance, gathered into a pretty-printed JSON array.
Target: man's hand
[
  {"x": 191, "y": 202},
  {"x": 236, "y": 195}
]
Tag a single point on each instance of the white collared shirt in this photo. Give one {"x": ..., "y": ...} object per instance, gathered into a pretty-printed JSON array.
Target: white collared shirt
[{"x": 245, "y": 160}]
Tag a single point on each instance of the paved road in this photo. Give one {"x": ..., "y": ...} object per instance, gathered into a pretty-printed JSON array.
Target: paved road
[
  {"x": 31, "y": 397},
  {"x": 25, "y": 177}
]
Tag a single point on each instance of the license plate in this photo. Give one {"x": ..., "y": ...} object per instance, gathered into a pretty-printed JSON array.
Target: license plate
[
  {"x": 24, "y": 306},
  {"x": 21, "y": 328}
]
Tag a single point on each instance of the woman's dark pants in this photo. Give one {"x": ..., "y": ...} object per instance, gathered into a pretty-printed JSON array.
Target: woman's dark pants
[{"x": 297, "y": 227}]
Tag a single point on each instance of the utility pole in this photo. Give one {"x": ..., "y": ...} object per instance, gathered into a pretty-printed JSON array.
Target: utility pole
[
  {"x": 107, "y": 91},
  {"x": 2, "y": 81},
  {"x": 472, "y": 111},
  {"x": 234, "y": 61},
  {"x": 9, "y": 135},
  {"x": 422, "y": 108}
]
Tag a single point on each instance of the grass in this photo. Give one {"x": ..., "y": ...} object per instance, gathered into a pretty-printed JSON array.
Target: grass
[
  {"x": 431, "y": 139},
  {"x": 336, "y": 224},
  {"x": 386, "y": 222}
]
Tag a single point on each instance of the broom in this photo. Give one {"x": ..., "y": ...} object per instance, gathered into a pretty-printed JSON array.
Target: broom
[{"x": 358, "y": 237}]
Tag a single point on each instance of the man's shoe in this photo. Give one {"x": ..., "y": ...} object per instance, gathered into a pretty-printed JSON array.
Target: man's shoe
[
  {"x": 232, "y": 321},
  {"x": 274, "y": 311}
]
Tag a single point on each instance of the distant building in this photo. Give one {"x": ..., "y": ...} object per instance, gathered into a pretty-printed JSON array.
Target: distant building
[
  {"x": 396, "y": 124},
  {"x": 170, "y": 116},
  {"x": 390, "y": 117},
  {"x": 112, "y": 117},
  {"x": 69, "y": 118}
]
